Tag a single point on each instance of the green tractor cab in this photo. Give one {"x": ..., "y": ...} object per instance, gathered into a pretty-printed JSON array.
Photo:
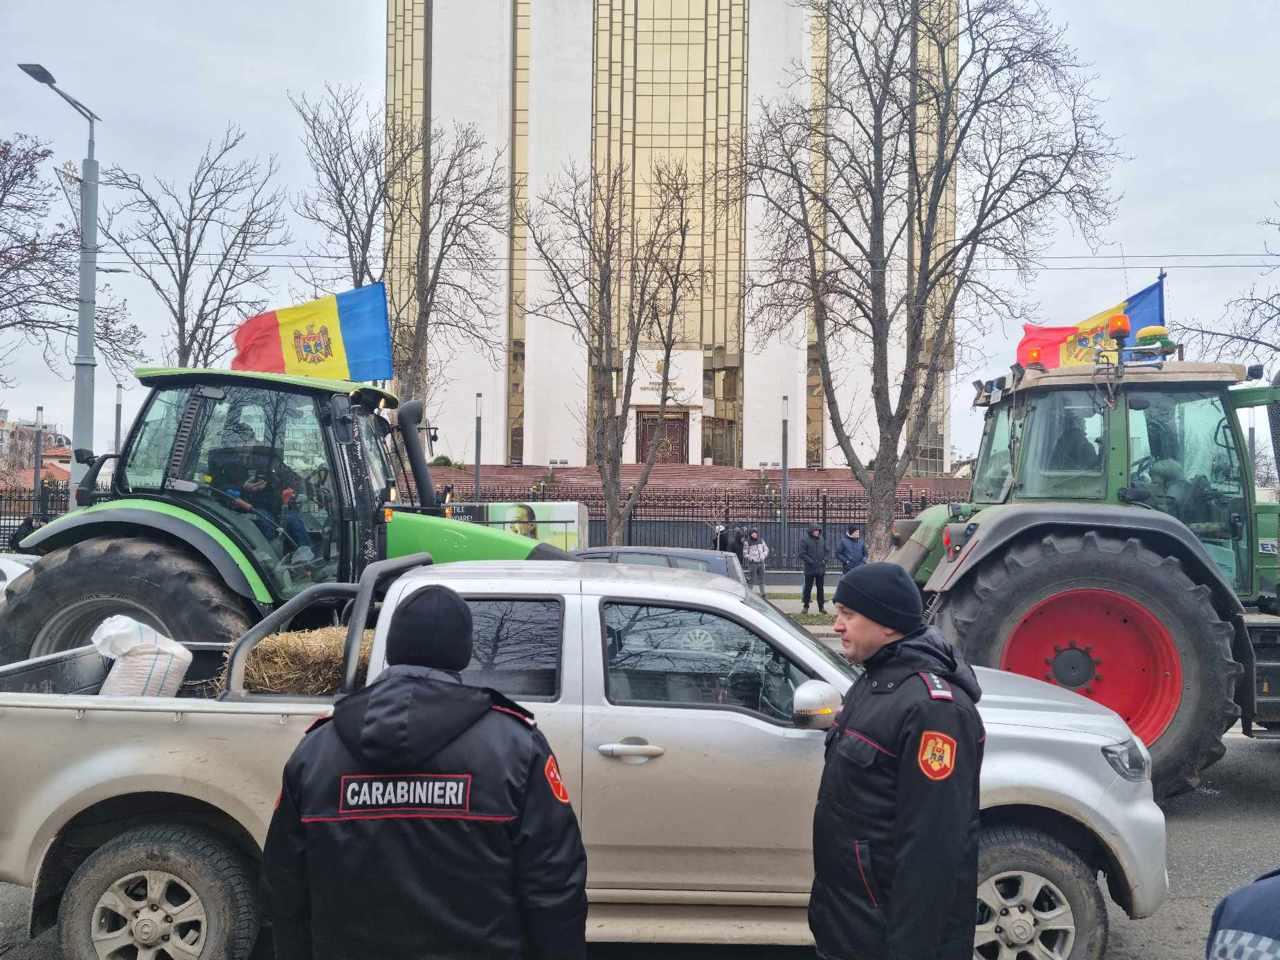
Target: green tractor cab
[
  {"x": 1113, "y": 544},
  {"x": 234, "y": 492}
]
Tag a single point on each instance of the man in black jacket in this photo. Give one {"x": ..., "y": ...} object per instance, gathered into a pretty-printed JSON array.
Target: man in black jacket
[
  {"x": 813, "y": 559},
  {"x": 428, "y": 819},
  {"x": 895, "y": 833}
]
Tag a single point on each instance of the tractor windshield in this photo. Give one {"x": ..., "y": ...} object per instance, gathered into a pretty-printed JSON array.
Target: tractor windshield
[
  {"x": 253, "y": 461},
  {"x": 993, "y": 473},
  {"x": 1183, "y": 460}
]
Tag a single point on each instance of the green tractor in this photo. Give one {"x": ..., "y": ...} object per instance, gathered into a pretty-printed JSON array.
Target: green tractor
[
  {"x": 234, "y": 492},
  {"x": 1114, "y": 546}
]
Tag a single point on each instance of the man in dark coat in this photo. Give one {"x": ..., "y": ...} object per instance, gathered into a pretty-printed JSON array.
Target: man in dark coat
[
  {"x": 427, "y": 819},
  {"x": 813, "y": 560},
  {"x": 851, "y": 551},
  {"x": 895, "y": 832}
]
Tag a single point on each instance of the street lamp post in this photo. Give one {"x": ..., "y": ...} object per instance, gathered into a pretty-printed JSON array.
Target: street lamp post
[
  {"x": 476, "y": 495},
  {"x": 119, "y": 415},
  {"x": 37, "y": 466},
  {"x": 786, "y": 483},
  {"x": 82, "y": 417}
]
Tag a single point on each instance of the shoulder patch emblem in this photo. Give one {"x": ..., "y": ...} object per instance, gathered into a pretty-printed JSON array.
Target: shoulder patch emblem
[
  {"x": 554, "y": 780},
  {"x": 938, "y": 688},
  {"x": 937, "y": 756}
]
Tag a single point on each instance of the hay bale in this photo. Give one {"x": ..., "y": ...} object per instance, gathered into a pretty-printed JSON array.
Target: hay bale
[{"x": 304, "y": 663}]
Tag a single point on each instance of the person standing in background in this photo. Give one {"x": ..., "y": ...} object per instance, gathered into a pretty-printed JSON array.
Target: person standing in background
[
  {"x": 813, "y": 559},
  {"x": 851, "y": 551},
  {"x": 757, "y": 552}
]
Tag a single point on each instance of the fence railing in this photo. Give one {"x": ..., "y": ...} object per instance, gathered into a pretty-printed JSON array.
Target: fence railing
[
  {"x": 17, "y": 507},
  {"x": 662, "y": 518}
]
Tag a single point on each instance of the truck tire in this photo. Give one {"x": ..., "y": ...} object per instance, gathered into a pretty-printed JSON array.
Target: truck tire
[
  {"x": 71, "y": 590},
  {"x": 1032, "y": 890},
  {"x": 164, "y": 892},
  {"x": 1113, "y": 620}
]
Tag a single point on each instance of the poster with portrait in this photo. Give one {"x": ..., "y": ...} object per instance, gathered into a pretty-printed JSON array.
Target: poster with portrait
[{"x": 562, "y": 524}]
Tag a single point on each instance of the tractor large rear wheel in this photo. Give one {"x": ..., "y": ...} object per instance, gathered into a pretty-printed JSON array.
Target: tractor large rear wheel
[
  {"x": 1117, "y": 622},
  {"x": 70, "y": 591}
]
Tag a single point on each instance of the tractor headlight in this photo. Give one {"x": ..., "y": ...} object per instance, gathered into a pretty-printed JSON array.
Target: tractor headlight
[{"x": 1129, "y": 759}]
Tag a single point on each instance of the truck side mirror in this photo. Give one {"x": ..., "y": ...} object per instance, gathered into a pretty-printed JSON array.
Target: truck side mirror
[{"x": 815, "y": 705}]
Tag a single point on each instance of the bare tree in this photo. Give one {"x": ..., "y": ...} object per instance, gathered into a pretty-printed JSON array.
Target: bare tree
[
  {"x": 1251, "y": 329},
  {"x": 356, "y": 160},
  {"x": 621, "y": 279},
  {"x": 201, "y": 246},
  {"x": 938, "y": 136},
  {"x": 39, "y": 264},
  {"x": 445, "y": 252}
]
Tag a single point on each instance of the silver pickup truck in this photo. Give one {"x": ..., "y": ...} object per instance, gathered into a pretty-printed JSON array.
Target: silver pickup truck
[{"x": 687, "y": 716}]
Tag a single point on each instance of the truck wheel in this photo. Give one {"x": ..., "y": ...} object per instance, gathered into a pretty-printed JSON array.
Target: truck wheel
[
  {"x": 1112, "y": 620},
  {"x": 70, "y": 591},
  {"x": 1035, "y": 899},
  {"x": 160, "y": 893}
]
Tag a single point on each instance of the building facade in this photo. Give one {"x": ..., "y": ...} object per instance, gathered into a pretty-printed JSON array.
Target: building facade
[{"x": 593, "y": 83}]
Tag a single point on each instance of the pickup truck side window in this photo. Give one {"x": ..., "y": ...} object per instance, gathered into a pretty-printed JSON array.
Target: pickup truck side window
[
  {"x": 517, "y": 646},
  {"x": 669, "y": 656}
]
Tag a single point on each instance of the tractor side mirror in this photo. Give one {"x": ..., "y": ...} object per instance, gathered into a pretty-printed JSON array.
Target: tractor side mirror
[{"x": 83, "y": 457}]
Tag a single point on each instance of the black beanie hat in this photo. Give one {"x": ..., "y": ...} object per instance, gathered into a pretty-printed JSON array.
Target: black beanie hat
[
  {"x": 883, "y": 592},
  {"x": 432, "y": 628}
]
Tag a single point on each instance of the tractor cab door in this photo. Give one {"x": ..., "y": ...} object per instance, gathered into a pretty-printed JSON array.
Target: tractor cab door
[
  {"x": 1266, "y": 516},
  {"x": 1184, "y": 459},
  {"x": 256, "y": 463}
]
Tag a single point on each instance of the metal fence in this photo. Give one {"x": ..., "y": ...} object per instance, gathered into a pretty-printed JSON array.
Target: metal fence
[
  {"x": 18, "y": 506},
  {"x": 687, "y": 518}
]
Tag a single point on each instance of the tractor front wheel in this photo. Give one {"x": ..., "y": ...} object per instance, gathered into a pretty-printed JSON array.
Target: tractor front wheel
[
  {"x": 1114, "y": 621},
  {"x": 70, "y": 591}
]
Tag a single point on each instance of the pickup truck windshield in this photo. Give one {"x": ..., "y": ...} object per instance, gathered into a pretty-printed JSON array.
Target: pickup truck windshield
[{"x": 802, "y": 637}]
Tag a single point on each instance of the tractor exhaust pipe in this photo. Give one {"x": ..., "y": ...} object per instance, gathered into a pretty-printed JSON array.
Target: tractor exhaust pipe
[
  {"x": 408, "y": 417},
  {"x": 1273, "y": 420}
]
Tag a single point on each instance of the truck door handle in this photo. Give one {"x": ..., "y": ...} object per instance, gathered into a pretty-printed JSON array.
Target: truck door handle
[{"x": 619, "y": 750}]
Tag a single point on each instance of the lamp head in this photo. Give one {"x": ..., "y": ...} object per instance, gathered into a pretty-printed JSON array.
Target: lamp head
[{"x": 37, "y": 73}]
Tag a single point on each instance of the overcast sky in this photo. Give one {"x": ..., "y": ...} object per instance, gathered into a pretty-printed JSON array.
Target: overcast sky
[{"x": 1190, "y": 92}]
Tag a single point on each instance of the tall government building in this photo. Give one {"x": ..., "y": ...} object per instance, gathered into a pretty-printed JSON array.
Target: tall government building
[{"x": 557, "y": 81}]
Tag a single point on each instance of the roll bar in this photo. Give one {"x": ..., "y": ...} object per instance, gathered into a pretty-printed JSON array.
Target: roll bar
[{"x": 361, "y": 594}]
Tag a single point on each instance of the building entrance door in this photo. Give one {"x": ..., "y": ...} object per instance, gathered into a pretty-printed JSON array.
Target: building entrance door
[{"x": 672, "y": 432}]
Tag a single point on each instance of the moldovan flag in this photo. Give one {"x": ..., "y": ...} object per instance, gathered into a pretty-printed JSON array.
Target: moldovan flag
[
  {"x": 344, "y": 337},
  {"x": 1073, "y": 346}
]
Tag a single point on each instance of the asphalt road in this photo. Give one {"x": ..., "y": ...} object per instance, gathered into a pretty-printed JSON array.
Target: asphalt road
[{"x": 1220, "y": 837}]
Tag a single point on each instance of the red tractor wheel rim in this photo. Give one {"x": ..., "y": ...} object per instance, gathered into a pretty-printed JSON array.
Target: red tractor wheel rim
[{"x": 1107, "y": 647}]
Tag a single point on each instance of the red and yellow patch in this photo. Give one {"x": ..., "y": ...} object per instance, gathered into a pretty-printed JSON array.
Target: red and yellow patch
[
  {"x": 937, "y": 756},
  {"x": 554, "y": 780}
]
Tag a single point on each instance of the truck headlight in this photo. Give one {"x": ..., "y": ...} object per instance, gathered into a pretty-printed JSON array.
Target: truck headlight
[{"x": 1129, "y": 759}]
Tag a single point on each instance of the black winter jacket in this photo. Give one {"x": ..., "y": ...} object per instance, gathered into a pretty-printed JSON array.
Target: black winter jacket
[
  {"x": 813, "y": 554},
  {"x": 426, "y": 820},
  {"x": 895, "y": 833}
]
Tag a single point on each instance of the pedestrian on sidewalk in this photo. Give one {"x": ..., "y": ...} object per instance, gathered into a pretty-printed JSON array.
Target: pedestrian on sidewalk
[
  {"x": 756, "y": 552},
  {"x": 813, "y": 559},
  {"x": 851, "y": 551},
  {"x": 895, "y": 830}
]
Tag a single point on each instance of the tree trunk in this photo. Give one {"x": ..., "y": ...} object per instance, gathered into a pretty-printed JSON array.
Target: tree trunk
[{"x": 882, "y": 504}]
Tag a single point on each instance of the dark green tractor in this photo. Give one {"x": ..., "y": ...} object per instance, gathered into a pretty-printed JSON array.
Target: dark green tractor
[
  {"x": 1114, "y": 545},
  {"x": 234, "y": 492}
]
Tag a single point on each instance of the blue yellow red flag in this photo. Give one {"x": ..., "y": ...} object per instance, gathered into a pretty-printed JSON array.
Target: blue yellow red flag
[
  {"x": 342, "y": 337},
  {"x": 1071, "y": 346}
]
